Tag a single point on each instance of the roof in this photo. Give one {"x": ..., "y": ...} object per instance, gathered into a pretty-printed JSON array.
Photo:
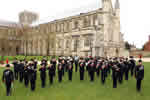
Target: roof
[{"x": 9, "y": 24}]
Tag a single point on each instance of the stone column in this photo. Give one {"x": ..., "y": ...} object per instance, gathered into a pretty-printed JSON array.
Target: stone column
[
  {"x": 44, "y": 51},
  {"x": 39, "y": 47}
]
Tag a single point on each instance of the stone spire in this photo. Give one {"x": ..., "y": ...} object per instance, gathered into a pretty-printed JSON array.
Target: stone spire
[{"x": 117, "y": 4}]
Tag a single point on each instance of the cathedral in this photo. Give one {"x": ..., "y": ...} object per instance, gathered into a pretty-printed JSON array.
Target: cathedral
[{"x": 95, "y": 33}]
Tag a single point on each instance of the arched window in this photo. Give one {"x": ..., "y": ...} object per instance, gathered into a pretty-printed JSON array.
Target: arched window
[
  {"x": 86, "y": 21},
  {"x": 76, "y": 44},
  {"x": 67, "y": 44},
  {"x": 76, "y": 24},
  {"x": 87, "y": 42}
]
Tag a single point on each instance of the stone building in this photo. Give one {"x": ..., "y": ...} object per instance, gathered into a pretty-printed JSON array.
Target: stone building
[
  {"x": 147, "y": 45},
  {"x": 9, "y": 44},
  {"x": 95, "y": 33}
]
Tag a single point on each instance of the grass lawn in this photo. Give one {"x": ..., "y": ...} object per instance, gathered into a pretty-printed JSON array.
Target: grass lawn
[{"x": 77, "y": 90}]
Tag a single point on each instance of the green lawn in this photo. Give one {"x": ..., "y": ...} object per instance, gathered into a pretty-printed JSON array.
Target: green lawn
[{"x": 77, "y": 90}]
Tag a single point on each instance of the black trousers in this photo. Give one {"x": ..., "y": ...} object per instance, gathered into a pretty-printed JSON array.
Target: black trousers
[
  {"x": 126, "y": 75},
  {"x": 97, "y": 73},
  {"x": 102, "y": 77},
  {"x": 26, "y": 80},
  {"x": 81, "y": 75},
  {"x": 120, "y": 77},
  {"x": 76, "y": 66},
  {"x": 21, "y": 77},
  {"x": 16, "y": 74},
  {"x": 43, "y": 80},
  {"x": 138, "y": 84},
  {"x": 51, "y": 79},
  {"x": 70, "y": 75},
  {"x": 60, "y": 77},
  {"x": 114, "y": 82},
  {"x": 132, "y": 71},
  {"x": 32, "y": 82},
  {"x": 8, "y": 88},
  {"x": 63, "y": 72},
  {"x": 92, "y": 76}
]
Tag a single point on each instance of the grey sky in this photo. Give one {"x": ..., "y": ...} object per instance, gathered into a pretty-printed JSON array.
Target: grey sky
[{"x": 134, "y": 13}]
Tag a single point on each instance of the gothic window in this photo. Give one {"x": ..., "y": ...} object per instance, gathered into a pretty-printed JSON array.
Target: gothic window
[
  {"x": 76, "y": 24},
  {"x": 87, "y": 42},
  {"x": 76, "y": 44},
  {"x": 86, "y": 22},
  {"x": 62, "y": 27},
  {"x": 66, "y": 26},
  {"x": 58, "y": 27},
  {"x": 67, "y": 44}
]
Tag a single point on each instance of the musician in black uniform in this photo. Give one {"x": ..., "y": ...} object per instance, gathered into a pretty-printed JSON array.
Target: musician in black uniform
[
  {"x": 44, "y": 62},
  {"x": 132, "y": 65},
  {"x": 51, "y": 70},
  {"x": 121, "y": 71},
  {"x": 53, "y": 62},
  {"x": 8, "y": 79},
  {"x": 21, "y": 70},
  {"x": 63, "y": 66},
  {"x": 92, "y": 70},
  {"x": 60, "y": 72},
  {"x": 15, "y": 63},
  {"x": 115, "y": 73},
  {"x": 32, "y": 76},
  {"x": 43, "y": 75},
  {"x": 35, "y": 63},
  {"x": 81, "y": 66},
  {"x": 103, "y": 73},
  {"x": 26, "y": 77},
  {"x": 139, "y": 74},
  {"x": 76, "y": 60},
  {"x": 126, "y": 69},
  {"x": 98, "y": 66},
  {"x": 70, "y": 70}
]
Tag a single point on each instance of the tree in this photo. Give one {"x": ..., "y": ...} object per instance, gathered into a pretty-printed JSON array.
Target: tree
[
  {"x": 143, "y": 47},
  {"x": 127, "y": 46}
]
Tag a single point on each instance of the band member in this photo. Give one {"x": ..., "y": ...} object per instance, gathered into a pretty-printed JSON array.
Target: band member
[
  {"x": 76, "y": 60},
  {"x": 21, "y": 70},
  {"x": 139, "y": 74},
  {"x": 32, "y": 76},
  {"x": 26, "y": 77},
  {"x": 92, "y": 71},
  {"x": 51, "y": 70},
  {"x": 16, "y": 69},
  {"x": 126, "y": 69},
  {"x": 103, "y": 71},
  {"x": 60, "y": 72},
  {"x": 43, "y": 74},
  {"x": 98, "y": 66},
  {"x": 121, "y": 72},
  {"x": 81, "y": 65},
  {"x": 70, "y": 70},
  {"x": 53, "y": 62},
  {"x": 132, "y": 65},
  {"x": 115, "y": 73},
  {"x": 63, "y": 66},
  {"x": 8, "y": 79}
]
